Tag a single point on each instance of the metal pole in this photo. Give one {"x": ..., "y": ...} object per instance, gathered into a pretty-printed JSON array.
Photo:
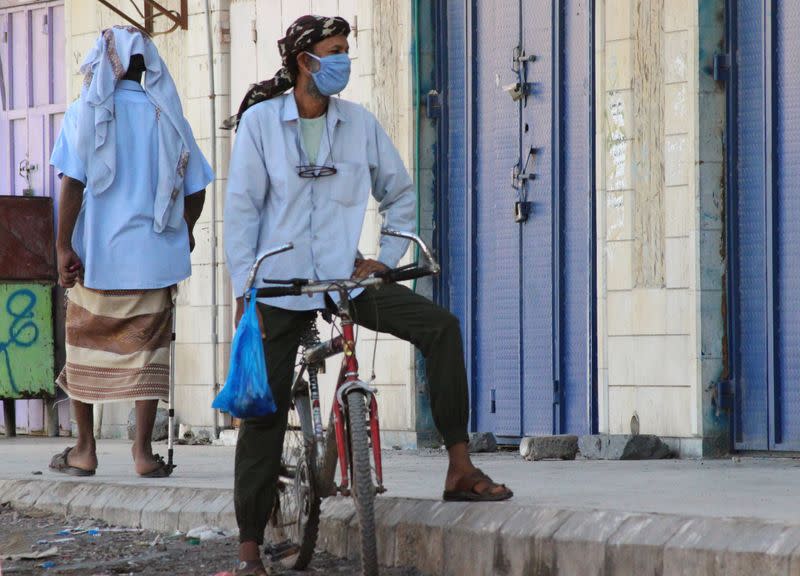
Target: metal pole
[
  {"x": 171, "y": 400},
  {"x": 212, "y": 97}
]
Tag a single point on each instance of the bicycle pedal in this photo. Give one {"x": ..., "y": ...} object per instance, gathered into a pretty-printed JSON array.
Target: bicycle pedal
[{"x": 278, "y": 552}]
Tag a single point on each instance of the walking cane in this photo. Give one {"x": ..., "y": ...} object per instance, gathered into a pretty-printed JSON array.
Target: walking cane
[{"x": 171, "y": 421}]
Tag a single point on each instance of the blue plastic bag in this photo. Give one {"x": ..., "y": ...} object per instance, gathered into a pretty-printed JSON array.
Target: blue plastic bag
[{"x": 246, "y": 393}]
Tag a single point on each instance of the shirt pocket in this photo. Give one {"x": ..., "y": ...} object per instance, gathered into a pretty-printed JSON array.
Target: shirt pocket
[{"x": 351, "y": 184}]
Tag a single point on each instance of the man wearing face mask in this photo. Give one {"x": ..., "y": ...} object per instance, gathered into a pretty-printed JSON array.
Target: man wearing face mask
[{"x": 302, "y": 169}]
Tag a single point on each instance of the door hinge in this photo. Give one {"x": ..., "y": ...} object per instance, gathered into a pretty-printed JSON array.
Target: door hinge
[
  {"x": 722, "y": 66},
  {"x": 493, "y": 406},
  {"x": 433, "y": 104},
  {"x": 254, "y": 31},
  {"x": 556, "y": 392}
]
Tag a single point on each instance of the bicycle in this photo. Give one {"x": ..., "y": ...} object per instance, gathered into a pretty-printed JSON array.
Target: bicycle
[{"x": 311, "y": 453}]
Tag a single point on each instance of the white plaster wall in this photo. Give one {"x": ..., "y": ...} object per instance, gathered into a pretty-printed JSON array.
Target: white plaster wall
[{"x": 648, "y": 334}]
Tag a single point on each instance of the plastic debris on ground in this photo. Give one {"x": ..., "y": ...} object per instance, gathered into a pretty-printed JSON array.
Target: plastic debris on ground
[
  {"x": 32, "y": 555},
  {"x": 205, "y": 533}
]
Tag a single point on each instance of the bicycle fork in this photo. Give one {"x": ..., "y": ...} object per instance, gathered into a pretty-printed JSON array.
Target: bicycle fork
[{"x": 349, "y": 383}]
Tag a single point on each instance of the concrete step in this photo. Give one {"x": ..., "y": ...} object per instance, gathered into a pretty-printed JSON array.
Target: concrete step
[{"x": 459, "y": 539}]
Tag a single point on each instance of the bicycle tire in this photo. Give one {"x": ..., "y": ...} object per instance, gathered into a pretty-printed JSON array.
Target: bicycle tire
[
  {"x": 295, "y": 517},
  {"x": 363, "y": 486}
]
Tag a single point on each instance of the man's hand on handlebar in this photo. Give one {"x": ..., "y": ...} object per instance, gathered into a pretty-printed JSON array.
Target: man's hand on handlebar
[{"x": 364, "y": 268}]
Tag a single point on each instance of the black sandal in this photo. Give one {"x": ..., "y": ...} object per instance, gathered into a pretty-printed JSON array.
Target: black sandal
[{"x": 465, "y": 489}]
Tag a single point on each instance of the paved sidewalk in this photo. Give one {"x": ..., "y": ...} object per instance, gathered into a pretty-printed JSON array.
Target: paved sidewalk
[{"x": 733, "y": 516}]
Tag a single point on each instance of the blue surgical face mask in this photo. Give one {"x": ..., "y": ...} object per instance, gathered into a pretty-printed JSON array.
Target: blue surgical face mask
[{"x": 333, "y": 73}]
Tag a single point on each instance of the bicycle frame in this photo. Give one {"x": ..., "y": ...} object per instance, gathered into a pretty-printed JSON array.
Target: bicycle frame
[
  {"x": 348, "y": 381},
  {"x": 347, "y": 385}
]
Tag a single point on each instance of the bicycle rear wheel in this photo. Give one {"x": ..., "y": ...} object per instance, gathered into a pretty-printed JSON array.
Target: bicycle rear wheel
[
  {"x": 363, "y": 486},
  {"x": 295, "y": 517}
]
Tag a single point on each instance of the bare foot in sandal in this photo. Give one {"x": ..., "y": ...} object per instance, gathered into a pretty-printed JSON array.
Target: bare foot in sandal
[
  {"x": 250, "y": 560},
  {"x": 149, "y": 465},
  {"x": 75, "y": 461},
  {"x": 251, "y": 569},
  {"x": 466, "y": 483},
  {"x": 476, "y": 487}
]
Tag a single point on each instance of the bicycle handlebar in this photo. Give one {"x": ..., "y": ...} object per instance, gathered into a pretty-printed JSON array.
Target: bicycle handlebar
[
  {"x": 401, "y": 274},
  {"x": 302, "y": 286},
  {"x": 277, "y": 291}
]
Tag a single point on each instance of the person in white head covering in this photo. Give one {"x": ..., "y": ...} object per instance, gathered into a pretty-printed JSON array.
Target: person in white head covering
[{"x": 132, "y": 188}]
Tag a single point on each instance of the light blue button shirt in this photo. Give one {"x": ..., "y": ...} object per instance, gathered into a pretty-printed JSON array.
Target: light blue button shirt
[
  {"x": 268, "y": 204},
  {"x": 114, "y": 235}
]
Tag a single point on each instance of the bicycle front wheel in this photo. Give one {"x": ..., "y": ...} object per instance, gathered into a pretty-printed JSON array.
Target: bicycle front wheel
[
  {"x": 295, "y": 517},
  {"x": 363, "y": 486}
]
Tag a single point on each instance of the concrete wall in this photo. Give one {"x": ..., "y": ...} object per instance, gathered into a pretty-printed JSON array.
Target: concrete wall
[
  {"x": 659, "y": 138},
  {"x": 245, "y": 33}
]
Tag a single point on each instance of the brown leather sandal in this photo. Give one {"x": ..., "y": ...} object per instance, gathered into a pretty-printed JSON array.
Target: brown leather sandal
[{"x": 465, "y": 490}]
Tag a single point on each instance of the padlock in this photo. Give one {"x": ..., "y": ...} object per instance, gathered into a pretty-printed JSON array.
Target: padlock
[
  {"x": 521, "y": 211},
  {"x": 516, "y": 91}
]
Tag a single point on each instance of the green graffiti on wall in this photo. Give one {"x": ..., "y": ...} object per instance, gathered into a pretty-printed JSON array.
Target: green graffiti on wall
[{"x": 26, "y": 340}]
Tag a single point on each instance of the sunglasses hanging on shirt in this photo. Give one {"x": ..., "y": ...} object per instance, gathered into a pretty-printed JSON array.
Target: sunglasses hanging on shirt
[{"x": 316, "y": 171}]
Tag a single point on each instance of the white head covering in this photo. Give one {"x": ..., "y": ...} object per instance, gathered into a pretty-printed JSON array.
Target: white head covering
[{"x": 103, "y": 67}]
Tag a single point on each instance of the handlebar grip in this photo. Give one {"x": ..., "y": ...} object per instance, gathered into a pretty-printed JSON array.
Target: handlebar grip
[
  {"x": 407, "y": 274},
  {"x": 277, "y": 291}
]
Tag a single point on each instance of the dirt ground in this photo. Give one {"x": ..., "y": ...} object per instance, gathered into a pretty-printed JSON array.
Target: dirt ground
[{"x": 89, "y": 548}]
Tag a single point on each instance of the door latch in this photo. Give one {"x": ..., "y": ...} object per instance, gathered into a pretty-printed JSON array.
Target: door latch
[
  {"x": 520, "y": 89},
  {"x": 521, "y": 175},
  {"x": 25, "y": 170},
  {"x": 522, "y": 208},
  {"x": 519, "y": 59}
]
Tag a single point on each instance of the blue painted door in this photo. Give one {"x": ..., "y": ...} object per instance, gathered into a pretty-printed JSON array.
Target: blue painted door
[
  {"x": 523, "y": 289},
  {"x": 765, "y": 238}
]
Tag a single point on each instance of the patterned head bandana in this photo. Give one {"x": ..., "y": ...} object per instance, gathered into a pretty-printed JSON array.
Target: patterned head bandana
[{"x": 300, "y": 36}]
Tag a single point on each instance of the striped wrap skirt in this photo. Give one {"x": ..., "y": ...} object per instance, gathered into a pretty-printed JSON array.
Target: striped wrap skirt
[{"x": 117, "y": 344}]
